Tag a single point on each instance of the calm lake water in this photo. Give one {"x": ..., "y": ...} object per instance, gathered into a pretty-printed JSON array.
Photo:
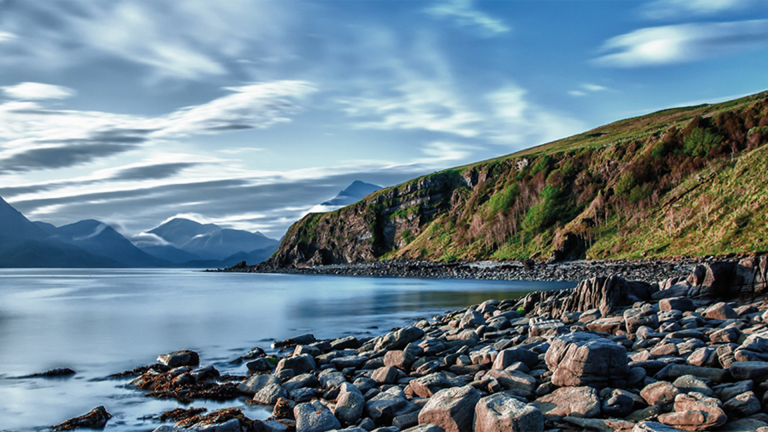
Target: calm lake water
[{"x": 100, "y": 322}]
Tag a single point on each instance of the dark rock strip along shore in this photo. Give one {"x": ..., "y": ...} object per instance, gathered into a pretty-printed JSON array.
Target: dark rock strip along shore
[
  {"x": 609, "y": 355},
  {"x": 573, "y": 271}
]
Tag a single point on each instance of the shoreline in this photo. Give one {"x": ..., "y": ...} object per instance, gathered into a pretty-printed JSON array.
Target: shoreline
[
  {"x": 568, "y": 271},
  {"x": 611, "y": 354}
]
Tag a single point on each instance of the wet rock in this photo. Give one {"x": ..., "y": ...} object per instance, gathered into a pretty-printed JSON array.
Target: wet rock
[
  {"x": 451, "y": 409},
  {"x": 257, "y": 382},
  {"x": 754, "y": 370},
  {"x": 695, "y": 412},
  {"x": 283, "y": 409},
  {"x": 97, "y": 418},
  {"x": 304, "y": 339},
  {"x": 349, "y": 404},
  {"x": 581, "y": 359},
  {"x": 269, "y": 394},
  {"x": 298, "y": 364},
  {"x": 179, "y": 358},
  {"x": 52, "y": 373},
  {"x": 570, "y": 401},
  {"x": 503, "y": 412},
  {"x": 314, "y": 417},
  {"x": 259, "y": 364}
]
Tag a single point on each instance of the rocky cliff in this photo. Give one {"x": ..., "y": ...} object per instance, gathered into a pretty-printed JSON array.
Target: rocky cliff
[{"x": 686, "y": 181}]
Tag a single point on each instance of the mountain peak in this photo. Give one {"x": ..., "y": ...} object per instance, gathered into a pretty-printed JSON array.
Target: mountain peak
[{"x": 352, "y": 194}]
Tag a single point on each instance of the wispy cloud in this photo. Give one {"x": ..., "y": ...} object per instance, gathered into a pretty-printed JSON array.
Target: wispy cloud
[
  {"x": 37, "y": 137},
  {"x": 463, "y": 14},
  {"x": 586, "y": 89},
  {"x": 664, "y": 45},
  {"x": 5, "y": 36},
  {"x": 37, "y": 91},
  {"x": 662, "y": 9}
]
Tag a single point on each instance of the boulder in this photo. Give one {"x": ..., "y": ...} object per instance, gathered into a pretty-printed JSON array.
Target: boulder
[
  {"x": 400, "y": 359},
  {"x": 638, "y": 317},
  {"x": 452, "y": 409},
  {"x": 349, "y": 404},
  {"x": 428, "y": 385},
  {"x": 580, "y": 359},
  {"x": 314, "y": 417},
  {"x": 399, "y": 339},
  {"x": 742, "y": 405},
  {"x": 720, "y": 311},
  {"x": 682, "y": 304},
  {"x": 752, "y": 370},
  {"x": 503, "y": 412},
  {"x": 619, "y": 403},
  {"x": 659, "y": 393},
  {"x": 507, "y": 357},
  {"x": 383, "y": 407},
  {"x": 298, "y": 364},
  {"x": 387, "y": 375},
  {"x": 96, "y": 418},
  {"x": 257, "y": 382},
  {"x": 695, "y": 412},
  {"x": 471, "y": 319},
  {"x": 179, "y": 358},
  {"x": 570, "y": 401},
  {"x": 269, "y": 394},
  {"x": 648, "y": 426}
]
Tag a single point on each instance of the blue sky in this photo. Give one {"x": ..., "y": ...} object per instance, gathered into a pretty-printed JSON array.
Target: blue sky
[{"x": 248, "y": 113}]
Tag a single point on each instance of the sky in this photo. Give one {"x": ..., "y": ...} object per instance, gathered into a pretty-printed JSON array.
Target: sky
[{"x": 247, "y": 113}]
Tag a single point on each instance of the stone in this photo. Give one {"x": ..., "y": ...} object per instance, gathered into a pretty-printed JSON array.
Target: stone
[
  {"x": 757, "y": 342},
  {"x": 399, "y": 359},
  {"x": 471, "y": 319},
  {"x": 674, "y": 371},
  {"x": 682, "y": 304},
  {"x": 299, "y": 364},
  {"x": 754, "y": 370},
  {"x": 428, "y": 385},
  {"x": 353, "y": 361},
  {"x": 387, "y": 375},
  {"x": 349, "y": 404},
  {"x": 637, "y": 317},
  {"x": 570, "y": 401},
  {"x": 689, "y": 383},
  {"x": 425, "y": 428},
  {"x": 96, "y": 418},
  {"x": 507, "y": 357},
  {"x": 179, "y": 358},
  {"x": 304, "y": 339},
  {"x": 269, "y": 394},
  {"x": 704, "y": 356},
  {"x": 742, "y": 405},
  {"x": 452, "y": 409},
  {"x": 648, "y": 426},
  {"x": 383, "y": 407},
  {"x": 619, "y": 404},
  {"x": 256, "y": 382},
  {"x": 404, "y": 421},
  {"x": 659, "y": 393},
  {"x": 314, "y": 417},
  {"x": 259, "y": 364},
  {"x": 399, "y": 339},
  {"x": 581, "y": 359},
  {"x": 344, "y": 343},
  {"x": 600, "y": 425},
  {"x": 301, "y": 381},
  {"x": 283, "y": 409},
  {"x": 503, "y": 412},
  {"x": 728, "y": 334},
  {"x": 330, "y": 378},
  {"x": 695, "y": 412},
  {"x": 520, "y": 383},
  {"x": 720, "y": 311}
]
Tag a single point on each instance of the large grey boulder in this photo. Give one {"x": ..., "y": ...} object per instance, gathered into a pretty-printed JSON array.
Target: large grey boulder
[
  {"x": 314, "y": 417},
  {"x": 383, "y": 407},
  {"x": 580, "y": 359},
  {"x": 298, "y": 364},
  {"x": 269, "y": 394},
  {"x": 503, "y": 412},
  {"x": 349, "y": 404},
  {"x": 257, "y": 382},
  {"x": 452, "y": 409}
]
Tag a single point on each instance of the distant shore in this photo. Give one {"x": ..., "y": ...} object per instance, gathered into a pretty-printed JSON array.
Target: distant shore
[{"x": 569, "y": 271}]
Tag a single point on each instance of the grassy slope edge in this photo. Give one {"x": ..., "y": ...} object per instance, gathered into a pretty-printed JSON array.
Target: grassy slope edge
[{"x": 684, "y": 181}]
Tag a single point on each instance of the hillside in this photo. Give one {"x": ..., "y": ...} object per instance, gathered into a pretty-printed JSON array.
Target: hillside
[{"x": 684, "y": 181}]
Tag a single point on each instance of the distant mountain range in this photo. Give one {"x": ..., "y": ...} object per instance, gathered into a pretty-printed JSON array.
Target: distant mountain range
[{"x": 177, "y": 243}]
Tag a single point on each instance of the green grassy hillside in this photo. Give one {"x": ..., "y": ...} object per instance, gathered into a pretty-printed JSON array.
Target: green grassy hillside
[{"x": 684, "y": 181}]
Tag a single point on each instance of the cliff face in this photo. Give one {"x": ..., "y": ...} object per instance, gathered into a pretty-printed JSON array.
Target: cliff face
[{"x": 686, "y": 181}]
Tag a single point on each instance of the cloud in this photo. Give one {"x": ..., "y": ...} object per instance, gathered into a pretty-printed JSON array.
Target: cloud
[
  {"x": 241, "y": 150},
  {"x": 152, "y": 172},
  {"x": 516, "y": 121},
  {"x": 586, "y": 89},
  {"x": 188, "y": 40},
  {"x": 672, "y": 44},
  {"x": 662, "y": 9},
  {"x": 36, "y": 91},
  {"x": 462, "y": 13},
  {"x": 5, "y": 36},
  {"x": 37, "y": 137}
]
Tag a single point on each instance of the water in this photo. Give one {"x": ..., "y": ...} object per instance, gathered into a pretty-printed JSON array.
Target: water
[{"x": 100, "y": 322}]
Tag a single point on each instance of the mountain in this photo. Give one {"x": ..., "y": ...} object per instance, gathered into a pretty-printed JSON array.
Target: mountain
[
  {"x": 209, "y": 241},
  {"x": 170, "y": 254},
  {"x": 683, "y": 181},
  {"x": 352, "y": 194},
  {"x": 25, "y": 244},
  {"x": 100, "y": 239}
]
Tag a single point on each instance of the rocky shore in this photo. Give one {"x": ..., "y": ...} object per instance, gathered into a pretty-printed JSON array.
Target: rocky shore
[
  {"x": 571, "y": 271},
  {"x": 683, "y": 353}
]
